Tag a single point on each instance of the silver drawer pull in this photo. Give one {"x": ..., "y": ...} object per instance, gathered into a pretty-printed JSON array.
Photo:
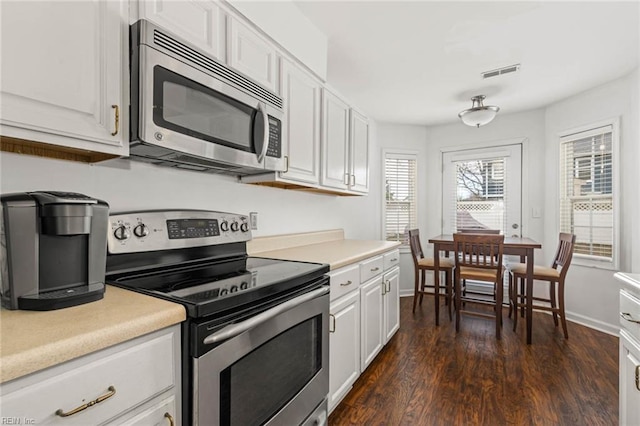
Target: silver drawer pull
[
  {"x": 638, "y": 377},
  {"x": 375, "y": 269},
  {"x": 346, "y": 284},
  {"x": 627, "y": 316},
  {"x": 394, "y": 259},
  {"x": 332, "y": 320}
]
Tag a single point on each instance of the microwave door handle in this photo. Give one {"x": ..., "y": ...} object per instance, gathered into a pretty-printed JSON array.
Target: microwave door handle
[
  {"x": 264, "y": 126},
  {"x": 236, "y": 329}
]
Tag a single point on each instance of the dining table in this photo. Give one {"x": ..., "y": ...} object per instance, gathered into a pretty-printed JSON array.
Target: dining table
[{"x": 514, "y": 246}]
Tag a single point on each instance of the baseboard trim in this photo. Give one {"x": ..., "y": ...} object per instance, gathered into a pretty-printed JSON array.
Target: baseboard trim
[{"x": 594, "y": 324}]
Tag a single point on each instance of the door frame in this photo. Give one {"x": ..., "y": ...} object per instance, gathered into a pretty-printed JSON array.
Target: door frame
[{"x": 524, "y": 199}]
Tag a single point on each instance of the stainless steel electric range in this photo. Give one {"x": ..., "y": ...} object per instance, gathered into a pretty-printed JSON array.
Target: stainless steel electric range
[{"x": 255, "y": 343}]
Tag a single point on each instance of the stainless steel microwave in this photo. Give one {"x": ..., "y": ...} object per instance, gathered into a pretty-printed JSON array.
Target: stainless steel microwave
[{"x": 190, "y": 111}]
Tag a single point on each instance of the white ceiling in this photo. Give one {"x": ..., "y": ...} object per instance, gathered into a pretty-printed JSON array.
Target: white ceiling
[{"x": 419, "y": 62}]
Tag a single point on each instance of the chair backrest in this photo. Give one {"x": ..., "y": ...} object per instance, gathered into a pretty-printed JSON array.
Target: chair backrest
[
  {"x": 478, "y": 231},
  {"x": 416, "y": 247},
  {"x": 482, "y": 251},
  {"x": 564, "y": 253}
]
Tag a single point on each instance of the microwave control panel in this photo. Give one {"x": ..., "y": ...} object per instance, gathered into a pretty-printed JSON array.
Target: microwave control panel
[
  {"x": 274, "y": 149},
  {"x": 165, "y": 230}
]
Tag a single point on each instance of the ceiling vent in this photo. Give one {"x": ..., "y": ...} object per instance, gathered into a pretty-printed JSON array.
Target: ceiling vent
[{"x": 501, "y": 71}]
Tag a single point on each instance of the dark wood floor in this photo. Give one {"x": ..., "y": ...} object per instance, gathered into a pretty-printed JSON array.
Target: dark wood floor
[{"x": 428, "y": 375}]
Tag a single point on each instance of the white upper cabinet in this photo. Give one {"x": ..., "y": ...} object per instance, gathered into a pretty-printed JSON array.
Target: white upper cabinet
[
  {"x": 302, "y": 97},
  {"x": 202, "y": 23},
  {"x": 359, "y": 154},
  {"x": 345, "y": 151},
  {"x": 252, "y": 54},
  {"x": 65, "y": 74},
  {"x": 335, "y": 141}
]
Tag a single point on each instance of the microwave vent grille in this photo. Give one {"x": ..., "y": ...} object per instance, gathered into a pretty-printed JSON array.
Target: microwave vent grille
[{"x": 219, "y": 70}]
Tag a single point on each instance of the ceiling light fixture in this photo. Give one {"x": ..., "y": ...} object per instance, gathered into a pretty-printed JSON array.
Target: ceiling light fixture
[{"x": 478, "y": 115}]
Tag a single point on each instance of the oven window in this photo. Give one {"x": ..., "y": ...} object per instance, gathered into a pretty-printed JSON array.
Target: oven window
[
  {"x": 187, "y": 107},
  {"x": 258, "y": 385}
]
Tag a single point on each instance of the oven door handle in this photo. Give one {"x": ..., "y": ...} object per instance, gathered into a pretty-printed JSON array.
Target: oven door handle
[{"x": 236, "y": 329}]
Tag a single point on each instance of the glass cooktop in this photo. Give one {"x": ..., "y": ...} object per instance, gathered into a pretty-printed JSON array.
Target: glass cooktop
[{"x": 220, "y": 286}]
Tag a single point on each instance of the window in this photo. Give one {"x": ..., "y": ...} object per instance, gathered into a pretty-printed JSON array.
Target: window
[
  {"x": 400, "y": 195},
  {"x": 587, "y": 193}
]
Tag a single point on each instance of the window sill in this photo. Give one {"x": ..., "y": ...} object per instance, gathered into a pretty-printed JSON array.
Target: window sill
[{"x": 591, "y": 263}]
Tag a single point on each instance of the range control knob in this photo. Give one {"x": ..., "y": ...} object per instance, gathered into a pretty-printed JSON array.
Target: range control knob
[
  {"x": 244, "y": 227},
  {"x": 233, "y": 289},
  {"x": 141, "y": 230},
  {"x": 121, "y": 233},
  {"x": 235, "y": 226},
  {"x": 224, "y": 226}
]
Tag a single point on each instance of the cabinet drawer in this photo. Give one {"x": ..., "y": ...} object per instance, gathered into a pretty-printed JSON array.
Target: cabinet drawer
[
  {"x": 344, "y": 280},
  {"x": 391, "y": 259},
  {"x": 162, "y": 413},
  {"x": 630, "y": 312},
  {"x": 136, "y": 374},
  {"x": 370, "y": 268}
]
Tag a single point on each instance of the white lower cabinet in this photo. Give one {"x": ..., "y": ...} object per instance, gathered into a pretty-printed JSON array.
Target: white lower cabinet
[
  {"x": 364, "y": 315},
  {"x": 136, "y": 382},
  {"x": 629, "y": 379},
  {"x": 344, "y": 346},
  {"x": 391, "y": 301},
  {"x": 371, "y": 320}
]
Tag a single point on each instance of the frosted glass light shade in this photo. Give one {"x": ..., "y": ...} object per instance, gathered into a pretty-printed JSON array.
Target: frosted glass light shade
[{"x": 478, "y": 115}]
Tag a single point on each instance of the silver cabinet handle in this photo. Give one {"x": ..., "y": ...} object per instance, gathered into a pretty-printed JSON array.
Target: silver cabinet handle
[
  {"x": 638, "y": 377},
  {"x": 394, "y": 259},
  {"x": 346, "y": 179},
  {"x": 332, "y": 320},
  {"x": 352, "y": 181},
  {"x": 627, "y": 316},
  {"x": 117, "y": 119},
  {"x": 389, "y": 289},
  {"x": 235, "y": 329},
  {"x": 375, "y": 269},
  {"x": 384, "y": 288},
  {"x": 346, "y": 284}
]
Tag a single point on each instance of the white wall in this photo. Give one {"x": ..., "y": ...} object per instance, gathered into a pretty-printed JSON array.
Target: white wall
[
  {"x": 129, "y": 185},
  {"x": 592, "y": 294}
]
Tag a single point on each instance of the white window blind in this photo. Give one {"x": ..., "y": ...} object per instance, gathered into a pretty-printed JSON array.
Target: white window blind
[
  {"x": 587, "y": 192},
  {"x": 480, "y": 196},
  {"x": 400, "y": 211}
]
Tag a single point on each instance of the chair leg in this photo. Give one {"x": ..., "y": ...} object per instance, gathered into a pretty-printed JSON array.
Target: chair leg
[
  {"x": 552, "y": 301},
  {"x": 523, "y": 296},
  {"x": 456, "y": 285},
  {"x": 423, "y": 282},
  {"x": 561, "y": 308},
  {"x": 448, "y": 290},
  {"x": 498, "y": 308},
  {"x": 510, "y": 294},
  {"x": 514, "y": 296},
  {"x": 415, "y": 290}
]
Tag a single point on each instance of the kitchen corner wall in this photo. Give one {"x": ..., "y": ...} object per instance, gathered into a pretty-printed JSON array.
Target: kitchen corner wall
[{"x": 128, "y": 185}]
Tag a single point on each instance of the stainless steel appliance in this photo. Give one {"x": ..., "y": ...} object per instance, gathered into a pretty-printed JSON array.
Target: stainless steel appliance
[
  {"x": 190, "y": 111},
  {"x": 255, "y": 343},
  {"x": 53, "y": 249}
]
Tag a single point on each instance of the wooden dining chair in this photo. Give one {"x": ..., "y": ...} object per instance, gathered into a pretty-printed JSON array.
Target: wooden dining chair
[
  {"x": 555, "y": 275},
  {"x": 422, "y": 264},
  {"x": 478, "y": 231},
  {"x": 479, "y": 257}
]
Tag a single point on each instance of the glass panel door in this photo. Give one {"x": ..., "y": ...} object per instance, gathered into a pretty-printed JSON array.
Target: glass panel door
[{"x": 482, "y": 190}]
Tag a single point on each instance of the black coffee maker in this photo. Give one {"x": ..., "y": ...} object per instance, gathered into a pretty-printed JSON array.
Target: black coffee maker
[{"x": 53, "y": 247}]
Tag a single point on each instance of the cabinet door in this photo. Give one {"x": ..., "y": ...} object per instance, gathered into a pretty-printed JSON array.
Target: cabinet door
[
  {"x": 391, "y": 303},
  {"x": 629, "y": 379},
  {"x": 371, "y": 320},
  {"x": 344, "y": 346},
  {"x": 359, "y": 154},
  {"x": 63, "y": 73},
  {"x": 335, "y": 142},
  {"x": 251, "y": 54},
  {"x": 201, "y": 23},
  {"x": 301, "y": 93}
]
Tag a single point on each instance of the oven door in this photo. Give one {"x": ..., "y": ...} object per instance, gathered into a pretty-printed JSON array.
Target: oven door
[
  {"x": 186, "y": 110},
  {"x": 269, "y": 369}
]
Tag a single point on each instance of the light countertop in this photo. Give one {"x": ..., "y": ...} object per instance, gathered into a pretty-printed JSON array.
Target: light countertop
[
  {"x": 31, "y": 340},
  {"x": 629, "y": 281},
  {"x": 336, "y": 253}
]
